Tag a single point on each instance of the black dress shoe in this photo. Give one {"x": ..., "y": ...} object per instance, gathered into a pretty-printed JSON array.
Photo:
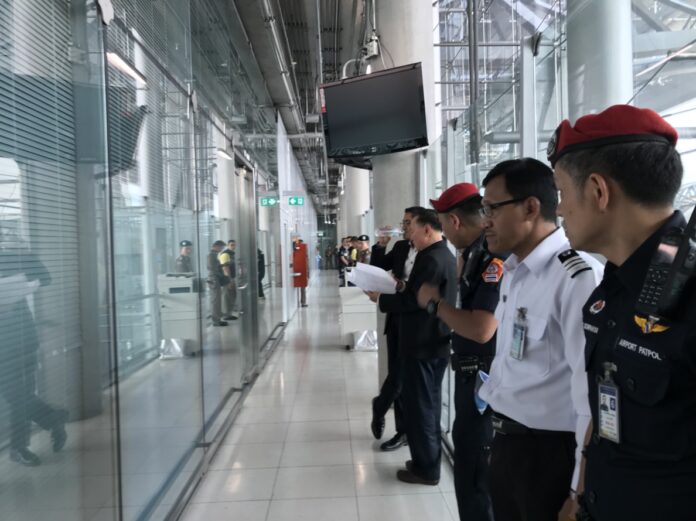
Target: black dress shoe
[
  {"x": 58, "y": 434},
  {"x": 399, "y": 440},
  {"x": 377, "y": 424},
  {"x": 230, "y": 317},
  {"x": 219, "y": 323},
  {"x": 25, "y": 457},
  {"x": 409, "y": 477}
]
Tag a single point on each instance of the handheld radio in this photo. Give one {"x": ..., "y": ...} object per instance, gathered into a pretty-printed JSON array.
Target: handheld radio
[{"x": 671, "y": 269}]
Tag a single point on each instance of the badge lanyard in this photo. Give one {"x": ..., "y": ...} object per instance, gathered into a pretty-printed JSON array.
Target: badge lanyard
[
  {"x": 519, "y": 334},
  {"x": 608, "y": 405}
]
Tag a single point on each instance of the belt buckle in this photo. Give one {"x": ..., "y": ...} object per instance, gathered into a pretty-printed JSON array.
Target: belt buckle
[
  {"x": 497, "y": 424},
  {"x": 467, "y": 364}
]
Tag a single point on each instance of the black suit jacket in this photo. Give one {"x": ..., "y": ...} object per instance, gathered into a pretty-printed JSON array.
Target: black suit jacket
[
  {"x": 422, "y": 335},
  {"x": 395, "y": 261}
]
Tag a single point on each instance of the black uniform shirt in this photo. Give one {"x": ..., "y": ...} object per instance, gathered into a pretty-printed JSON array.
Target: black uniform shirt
[
  {"x": 479, "y": 288},
  {"x": 184, "y": 264},
  {"x": 651, "y": 473}
]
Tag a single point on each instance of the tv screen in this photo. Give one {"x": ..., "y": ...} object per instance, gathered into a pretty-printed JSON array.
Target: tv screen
[{"x": 374, "y": 114}]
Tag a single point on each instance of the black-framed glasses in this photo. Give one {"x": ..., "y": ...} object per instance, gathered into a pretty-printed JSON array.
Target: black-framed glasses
[{"x": 488, "y": 209}]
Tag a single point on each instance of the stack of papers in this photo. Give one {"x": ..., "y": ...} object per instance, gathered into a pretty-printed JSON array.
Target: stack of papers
[{"x": 372, "y": 278}]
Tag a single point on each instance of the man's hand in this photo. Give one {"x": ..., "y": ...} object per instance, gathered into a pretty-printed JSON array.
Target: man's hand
[
  {"x": 373, "y": 295},
  {"x": 426, "y": 293},
  {"x": 568, "y": 511}
]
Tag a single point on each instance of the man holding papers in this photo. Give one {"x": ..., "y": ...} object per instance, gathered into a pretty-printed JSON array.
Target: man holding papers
[
  {"x": 399, "y": 261},
  {"x": 424, "y": 346}
]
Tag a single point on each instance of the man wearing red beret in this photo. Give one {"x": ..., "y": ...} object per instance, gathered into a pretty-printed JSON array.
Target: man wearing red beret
[
  {"x": 473, "y": 343},
  {"x": 537, "y": 384},
  {"x": 618, "y": 173}
]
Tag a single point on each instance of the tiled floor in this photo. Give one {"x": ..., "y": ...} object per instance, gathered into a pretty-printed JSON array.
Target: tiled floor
[{"x": 301, "y": 449}]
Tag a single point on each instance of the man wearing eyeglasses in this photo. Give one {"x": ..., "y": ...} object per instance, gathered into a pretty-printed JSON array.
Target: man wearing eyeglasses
[
  {"x": 537, "y": 386},
  {"x": 423, "y": 346},
  {"x": 399, "y": 261}
]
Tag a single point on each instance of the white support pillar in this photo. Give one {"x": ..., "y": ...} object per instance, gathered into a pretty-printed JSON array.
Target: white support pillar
[
  {"x": 600, "y": 55},
  {"x": 406, "y": 32},
  {"x": 357, "y": 198},
  {"x": 528, "y": 112}
]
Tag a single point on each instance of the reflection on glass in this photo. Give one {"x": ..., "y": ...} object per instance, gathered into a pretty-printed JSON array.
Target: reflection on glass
[{"x": 56, "y": 436}]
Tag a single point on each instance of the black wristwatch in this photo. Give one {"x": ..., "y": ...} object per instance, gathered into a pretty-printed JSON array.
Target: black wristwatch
[{"x": 432, "y": 306}]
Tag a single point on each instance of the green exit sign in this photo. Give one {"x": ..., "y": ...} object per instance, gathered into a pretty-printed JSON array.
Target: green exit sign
[
  {"x": 296, "y": 201},
  {"x": 269, "y": 201}
]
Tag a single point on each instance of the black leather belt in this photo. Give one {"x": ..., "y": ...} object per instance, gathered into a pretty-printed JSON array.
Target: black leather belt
[
  {"x": 504, "y": 425},
  {"x": 470, "y": 364}
]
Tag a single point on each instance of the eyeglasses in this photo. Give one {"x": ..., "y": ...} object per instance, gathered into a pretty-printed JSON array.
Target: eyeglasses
[{"x": 487, "y": 209}]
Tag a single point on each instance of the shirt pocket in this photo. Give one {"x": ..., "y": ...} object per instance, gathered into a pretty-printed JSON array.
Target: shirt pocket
[{"x": 642, "y": 381}]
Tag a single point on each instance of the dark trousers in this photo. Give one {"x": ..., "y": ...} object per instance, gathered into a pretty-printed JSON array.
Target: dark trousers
[
  {"x": 261, "y": 295},
  {"x": 390, "y": 393},
  {"x": 472, "y": 435},
  {"x": 18, "y": 389},
  {"x": 422, "y": 401},
  {"x": 530, "y": 475}
]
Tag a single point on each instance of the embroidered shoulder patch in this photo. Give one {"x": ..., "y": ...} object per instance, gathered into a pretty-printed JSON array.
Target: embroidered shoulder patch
[
  {"x": 573, "y": 263},
  {"x": 494, "y": 272}
]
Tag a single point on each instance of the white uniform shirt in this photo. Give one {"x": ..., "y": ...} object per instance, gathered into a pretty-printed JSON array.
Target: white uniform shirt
[
  {"x": 547, "y": 389},
  {"x": 410, "y": 261}
]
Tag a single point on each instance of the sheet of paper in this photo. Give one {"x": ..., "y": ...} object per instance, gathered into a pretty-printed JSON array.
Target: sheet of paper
[
  {"x": 16, "y": 287},
  {"x": 372, "y": 278}
]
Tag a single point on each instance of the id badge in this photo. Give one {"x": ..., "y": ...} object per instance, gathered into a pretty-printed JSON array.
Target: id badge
[
  {"x": 519, "y": 334},
  {"x": 609, "y": 418}
]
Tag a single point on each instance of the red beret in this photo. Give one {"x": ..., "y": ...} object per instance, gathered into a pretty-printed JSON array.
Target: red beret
[
  {"x": 455, "y": 195},
  {"x": 617, "y": 124}
]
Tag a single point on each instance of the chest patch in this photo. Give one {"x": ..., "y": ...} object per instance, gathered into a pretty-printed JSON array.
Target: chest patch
[
  {"x": 573, "y": 263},
  {"x": 649, "y": 325},
  {"x": 494, "y": 272}
]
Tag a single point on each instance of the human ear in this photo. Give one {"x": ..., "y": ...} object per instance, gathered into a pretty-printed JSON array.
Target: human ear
[{"x": 598, "y": 189}]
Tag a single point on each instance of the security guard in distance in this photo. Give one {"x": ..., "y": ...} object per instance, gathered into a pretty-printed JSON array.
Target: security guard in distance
[
  {"x": 618, "y": 173},
  {"x": 473, "y": 343},
  {"x": 184, "y": 263}
]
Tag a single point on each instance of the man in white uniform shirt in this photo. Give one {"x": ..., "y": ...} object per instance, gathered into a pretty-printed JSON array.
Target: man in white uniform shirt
[{"x": 537, "y": 386}]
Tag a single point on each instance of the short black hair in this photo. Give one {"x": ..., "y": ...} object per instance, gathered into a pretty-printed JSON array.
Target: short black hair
[
  {"x": 528, "y": 177},
  {"x": 231, "y": 240},
  {"x": 219, "y": 243},
  {"x": 468, "y": 209},
  {"x": 413, "y": 210},
  {"x": 427, "y": 216},
  {"x": 648, "y": 173}
]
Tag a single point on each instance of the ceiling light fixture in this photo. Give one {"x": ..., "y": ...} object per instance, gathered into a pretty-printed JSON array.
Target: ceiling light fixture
[{"x": 125, "y": 67}]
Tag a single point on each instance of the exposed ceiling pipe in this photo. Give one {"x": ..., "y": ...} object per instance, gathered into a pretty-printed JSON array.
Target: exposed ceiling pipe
[
  {"x": 320, "y": 77},
  {"x": 336, "y": 35},
  {"x": 272, "y": 24}
]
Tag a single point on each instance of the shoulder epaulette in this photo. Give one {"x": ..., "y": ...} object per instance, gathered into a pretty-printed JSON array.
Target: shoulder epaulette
[{"x": 573, "y": 263}]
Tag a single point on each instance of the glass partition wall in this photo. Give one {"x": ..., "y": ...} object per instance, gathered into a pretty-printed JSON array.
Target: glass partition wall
[{"x": 116, "y": 178}]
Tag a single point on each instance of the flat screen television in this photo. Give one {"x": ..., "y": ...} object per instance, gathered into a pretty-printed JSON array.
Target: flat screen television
[{"x": 375, "y": 114}]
